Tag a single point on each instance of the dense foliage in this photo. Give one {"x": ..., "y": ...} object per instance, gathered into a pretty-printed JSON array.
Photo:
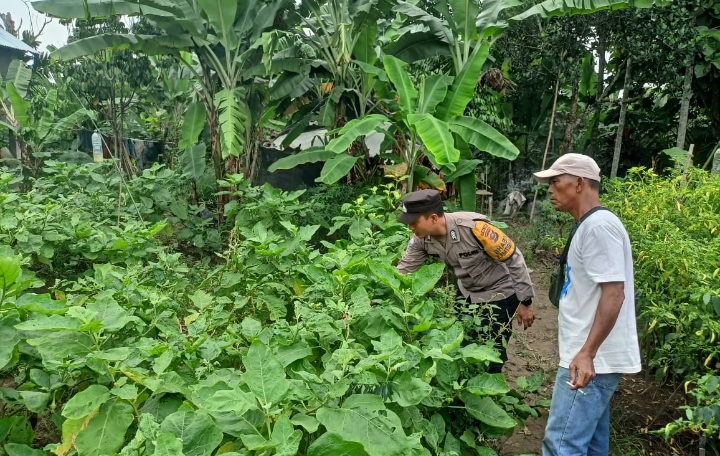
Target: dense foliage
[
  {"x": 286, "y": 344},
  {"x": 675, "y": 230}
]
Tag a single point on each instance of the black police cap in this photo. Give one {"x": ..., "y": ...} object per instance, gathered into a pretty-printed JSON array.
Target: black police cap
[{"x": 418, "y": 203}]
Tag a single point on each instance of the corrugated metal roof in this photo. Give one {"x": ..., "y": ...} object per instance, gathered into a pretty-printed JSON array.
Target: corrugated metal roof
[{"x": 9, "y": 41}]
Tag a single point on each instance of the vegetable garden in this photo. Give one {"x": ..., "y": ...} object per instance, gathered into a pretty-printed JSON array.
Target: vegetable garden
[{"x": 178, "y": 305}]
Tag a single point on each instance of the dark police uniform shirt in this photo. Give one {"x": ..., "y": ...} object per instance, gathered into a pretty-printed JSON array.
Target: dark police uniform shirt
[{"x": 488, "y": 265}]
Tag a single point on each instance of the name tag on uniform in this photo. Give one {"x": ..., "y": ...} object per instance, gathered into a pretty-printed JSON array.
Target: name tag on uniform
[{"x": 468, "y": 254}]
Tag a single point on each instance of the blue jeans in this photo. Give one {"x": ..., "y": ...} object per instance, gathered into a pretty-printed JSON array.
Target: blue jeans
[{"x": 579, "y": 424}]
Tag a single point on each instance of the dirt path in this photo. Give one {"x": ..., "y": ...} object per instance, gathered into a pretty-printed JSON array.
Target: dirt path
[{"x": 529, "y": 351}]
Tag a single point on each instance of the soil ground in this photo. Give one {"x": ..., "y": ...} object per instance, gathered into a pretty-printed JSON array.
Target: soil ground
[{"x": 638, "y": 405}]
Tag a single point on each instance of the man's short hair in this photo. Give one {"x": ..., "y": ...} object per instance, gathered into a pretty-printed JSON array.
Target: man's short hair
[{"x": 594, "y": 184}]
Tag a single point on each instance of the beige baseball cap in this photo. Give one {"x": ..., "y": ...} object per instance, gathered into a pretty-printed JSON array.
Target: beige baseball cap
[{"x": 573, "y": 164}]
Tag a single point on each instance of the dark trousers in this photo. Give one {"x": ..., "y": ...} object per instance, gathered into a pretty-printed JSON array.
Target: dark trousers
[{"x": 500, "y": 314}]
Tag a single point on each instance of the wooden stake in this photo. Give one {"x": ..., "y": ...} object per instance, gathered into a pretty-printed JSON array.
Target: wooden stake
[
  {"x": 547, "y": 144},
  {"x": 688, "y": 162}
]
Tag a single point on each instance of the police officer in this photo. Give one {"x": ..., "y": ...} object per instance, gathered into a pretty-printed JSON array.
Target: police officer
[{"x": 488, "y": 265}]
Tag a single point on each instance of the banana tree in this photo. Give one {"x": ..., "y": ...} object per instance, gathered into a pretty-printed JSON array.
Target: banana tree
[
  {"x": 32, "y": 132},
  {"x": 432, "y": 123},
  {"x": 325, "y": 66},
  {"x": 219, "y": 41}
]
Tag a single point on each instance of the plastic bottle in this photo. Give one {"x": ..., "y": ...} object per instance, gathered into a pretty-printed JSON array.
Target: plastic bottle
[{"x": 97, "y": 147}]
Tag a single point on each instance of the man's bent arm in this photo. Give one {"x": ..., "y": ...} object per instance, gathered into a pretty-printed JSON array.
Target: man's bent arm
[
  {"x": 413, "y": 258},
  {"x": 611, "y": 301}
]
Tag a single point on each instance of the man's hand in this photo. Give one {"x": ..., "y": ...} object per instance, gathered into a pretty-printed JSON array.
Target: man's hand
[
  {"x": 525, "y": 316},
  {"x": 582, "y": 370}
]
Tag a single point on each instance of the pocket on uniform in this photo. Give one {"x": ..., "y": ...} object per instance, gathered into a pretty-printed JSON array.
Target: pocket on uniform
[{"x": 476, "y": 266}]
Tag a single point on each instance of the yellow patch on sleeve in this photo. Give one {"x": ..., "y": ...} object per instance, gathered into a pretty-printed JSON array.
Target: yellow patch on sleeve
[{"x": 495, "y": 243}]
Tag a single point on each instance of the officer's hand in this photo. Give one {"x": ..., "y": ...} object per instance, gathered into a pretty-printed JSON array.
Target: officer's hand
[
  {"x": 525, "y": 316},
  {"x": 582, "y": 370}
]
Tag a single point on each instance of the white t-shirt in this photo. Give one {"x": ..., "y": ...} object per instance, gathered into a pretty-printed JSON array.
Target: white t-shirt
[{"x": 599, "y": 253}]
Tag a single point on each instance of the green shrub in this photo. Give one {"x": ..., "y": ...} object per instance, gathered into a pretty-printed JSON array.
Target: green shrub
[{"x": 674, "y": 225}]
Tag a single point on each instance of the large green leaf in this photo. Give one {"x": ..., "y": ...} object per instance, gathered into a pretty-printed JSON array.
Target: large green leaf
[
  {"x": 147, "y": 44},
  {"x": 108, "y": 312},
  {"x": 17, "y": 449},
  {"x": 436, "y": 137},
  {"x": 288, "y": 354},
  {"x": 491, "y": 10},
  {"x": 484, "y": 137},
  {"x": 4, "y": 124},
  {"x": 291, "y": 85},
  {"x": 9, "y": 271},
  {"x": 381, "y": 434},
  {"x": 221, "y": 16},
  {"x": 233, "y": 115},
  {"x": 193, "y": 124},
  {"x": 50, "y": 323},
  {"x": 364, "y": 50},
  {"x": 486, "y": 410},
  {"x": 166, "y": 444},
  {"x": 464, "y": 84},
  {"x": 16, "y": 429},
  {"x": 406, "y": 93},
  {"x": 426, "y": 277},
  {"x": 19, "y": 75},
  {"x": 434, "y": 91},
  {"x": 411, "y": 47},
  {"x": 86, "y": 9},
  {"x": 467, "y": 186},
  {"x": 353, "y": 130},
  {"x": 553, "y": 8},
  {"x": 408, "y": 390},
  {"x": 19, "y": 105},
  {"x": 371, "y": 69},
  {"x": 436, "y": 26},
  {"x": 85, "y": 402},
  {"x": 197, "y": 431},
  {"x": 264, "y": 18},
  {"x": 105, "y": 432},
  {"x": 588, "y": 80},
  {"x": 331, "y": 444},
  {"x": 35, "y": 401},
  {"x": 265, "y": 375},
  {"x": 236, "y": 401},
  {"x": 192, "y": 161},
  {"x": 41, "y": 303},
  {"x": 55, "y": 347},
  {"x": 487, "y": 384},
  {"x": 475, "y": 353},
  {"x": 464, "y": 167},
  {"x": 311, "y": 155},
  {"x": 336, "y": 168},
  {"x": 65, "y": 124},
  {"x": 464, "y": 13},
  {"x": 286, "y": 437},
  {"x": 10, "y": 338}
]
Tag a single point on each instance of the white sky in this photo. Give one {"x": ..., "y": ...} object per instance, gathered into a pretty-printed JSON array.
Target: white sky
[{"x": 21, "y": 10}]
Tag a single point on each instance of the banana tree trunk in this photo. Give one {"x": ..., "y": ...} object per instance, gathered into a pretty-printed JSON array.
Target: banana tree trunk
[
  {"x": 567, "y": 144},
  {"x": 216, "y": 154},
  {"x": 685, "y": 103},
  {"x": 599, "y": 93},
  {"x": 621, "y": 122}
]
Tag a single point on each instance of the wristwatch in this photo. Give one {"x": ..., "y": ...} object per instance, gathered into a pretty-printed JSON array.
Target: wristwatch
[{"x": 527, "y": 302}]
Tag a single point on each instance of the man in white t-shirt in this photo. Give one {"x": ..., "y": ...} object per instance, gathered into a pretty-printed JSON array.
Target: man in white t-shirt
[{"x": 596, "y": 322}]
